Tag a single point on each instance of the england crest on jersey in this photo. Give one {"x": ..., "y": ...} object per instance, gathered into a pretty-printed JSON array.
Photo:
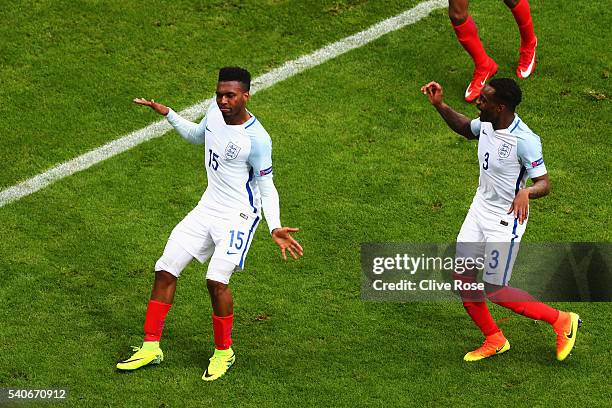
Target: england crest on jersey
[
  {"x": 504, "y": 150},
  {"x": 231, "y": 151}
]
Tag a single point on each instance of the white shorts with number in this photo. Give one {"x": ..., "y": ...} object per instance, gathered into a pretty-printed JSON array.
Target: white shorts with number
[
  {"x": 493, "y": 237},
  {"x": 200, "y": 236}
]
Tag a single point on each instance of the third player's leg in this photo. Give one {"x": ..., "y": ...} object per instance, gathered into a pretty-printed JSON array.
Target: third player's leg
[
  {"x": 511, "y": 3},
  {"x": 467, "y": 35},
  {"x": 522, "y": 15},
  {"x": 458, "y": 11}
]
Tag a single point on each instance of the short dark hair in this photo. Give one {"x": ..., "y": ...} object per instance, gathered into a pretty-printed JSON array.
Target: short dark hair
[
  {"x": 241, "y": 75},
  {"x": 507, "y": 92}
]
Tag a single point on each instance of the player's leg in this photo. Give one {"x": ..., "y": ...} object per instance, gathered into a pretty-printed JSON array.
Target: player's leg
[
  {"x": 167, "y": 270},
  {"x": 164, "y": 286},
  {"x": 217, "y": 280},
  {"x": 497, "y": 274},
  {"x": 470, "y": 245},
  {"x": 467, "y": 34},
  {"x": 232, "y": 238},
  {"x": 565, "y": 324},
  {"x": 502, "y": 248},
  {"x": 189, "y": 239},
  {"x": 522, "y": 14},
  {"x": 474, "y": 301}
]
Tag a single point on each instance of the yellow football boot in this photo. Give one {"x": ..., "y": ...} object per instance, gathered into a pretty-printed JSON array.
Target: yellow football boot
[
  {"x": 149, "y": 353},
  {"x": 220, "y": 362}
]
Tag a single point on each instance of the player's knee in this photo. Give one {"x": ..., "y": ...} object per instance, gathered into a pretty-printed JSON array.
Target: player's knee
[
  {"x": 463, "y": 277},
  {"x": 458, "y": 15},
  {"x": 164, "y": 279},
  {"x": 216, "y": 289},
  {"x": 491, "y": 289},
  {"x": 511, "y": 3}
]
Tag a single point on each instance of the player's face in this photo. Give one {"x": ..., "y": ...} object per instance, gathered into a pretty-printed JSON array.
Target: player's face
[
  {"x": 231, "y": 98},
  {"x": 487, "y": 105}
]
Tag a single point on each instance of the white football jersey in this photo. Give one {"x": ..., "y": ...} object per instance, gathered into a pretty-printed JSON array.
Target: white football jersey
[
  {"x": 507, "y": 157},
  {"x": 235, "y": 155}
]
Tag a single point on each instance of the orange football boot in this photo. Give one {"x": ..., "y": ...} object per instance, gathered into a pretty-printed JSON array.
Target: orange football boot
[
  {"x": 566, "y": 328},
  {"x": 493, "y": 345}
]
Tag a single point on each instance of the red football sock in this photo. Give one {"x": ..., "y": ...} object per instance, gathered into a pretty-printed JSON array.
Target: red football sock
[
  {"x": 222, "y": 328},
  {"x": 154, "y": 320},
  {"x": 475, "y": 304},
  {"x": 479, "y": 312},
  {"x": 522, "y": 15},
  {"x": 522, "y": 303},
  {"x": 467, "y": 34}
]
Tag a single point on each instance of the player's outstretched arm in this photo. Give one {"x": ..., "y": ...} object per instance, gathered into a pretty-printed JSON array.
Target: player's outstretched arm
[
  {"x": 286, "y": 242},
  {"x": 455, "y": 120},
  {"x": 157, "y": 107},
  {"x": 520, "y": 204},
  {"x": 191, "y": 132}
]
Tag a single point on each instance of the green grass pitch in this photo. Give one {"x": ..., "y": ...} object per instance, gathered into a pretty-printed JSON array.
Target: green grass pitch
[{"x": 360, "y": 156}]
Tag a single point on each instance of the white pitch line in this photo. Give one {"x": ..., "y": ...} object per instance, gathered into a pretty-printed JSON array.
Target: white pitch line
[{"x": 161, "y": 127}]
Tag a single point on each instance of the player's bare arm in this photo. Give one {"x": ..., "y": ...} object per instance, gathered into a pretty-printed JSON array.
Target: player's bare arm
[
  {"x": 157, "y": 107},
  {"x": 458, "y": 122},
  {"x": 282, "y": 237},
  {"x": 520, "y": 205}
]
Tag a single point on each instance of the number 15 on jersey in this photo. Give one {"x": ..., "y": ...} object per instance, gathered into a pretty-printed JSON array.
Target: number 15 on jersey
[{"x": 212, "y": 159}]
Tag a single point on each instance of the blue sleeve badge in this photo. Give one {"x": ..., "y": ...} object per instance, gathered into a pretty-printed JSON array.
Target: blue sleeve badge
[{"x": 537, "y": 162}]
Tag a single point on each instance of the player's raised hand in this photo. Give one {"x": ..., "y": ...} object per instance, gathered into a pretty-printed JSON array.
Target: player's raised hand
[
  {"x": 285, "y": 241},
  {"x": 520, "y": 205},
  {"x": 157, "y": 107},
  {"x": 434, "y": 92}
]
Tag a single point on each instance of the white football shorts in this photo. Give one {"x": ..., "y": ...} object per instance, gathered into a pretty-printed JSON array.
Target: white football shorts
[
  {"x": 200, "y": 236},
  {"x": 493, "y": 237}
]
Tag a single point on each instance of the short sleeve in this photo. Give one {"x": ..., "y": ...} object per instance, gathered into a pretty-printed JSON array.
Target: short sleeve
[
  {"x": 529, "y": 151},
  {"x": 475, "y": 126},
  {"x": 260, "y": 157}
]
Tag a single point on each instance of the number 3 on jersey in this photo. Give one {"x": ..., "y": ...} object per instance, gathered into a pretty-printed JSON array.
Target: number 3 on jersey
[
  {"x": 485, "y": 165},
  {"x": 212, "y": 159}
]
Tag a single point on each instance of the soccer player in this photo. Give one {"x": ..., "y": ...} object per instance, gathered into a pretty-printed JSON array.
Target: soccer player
[
  {"x": 508, "y": 153},
  {"x": 238, "y": 160},
  {"x": 484, "y": 66}
]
